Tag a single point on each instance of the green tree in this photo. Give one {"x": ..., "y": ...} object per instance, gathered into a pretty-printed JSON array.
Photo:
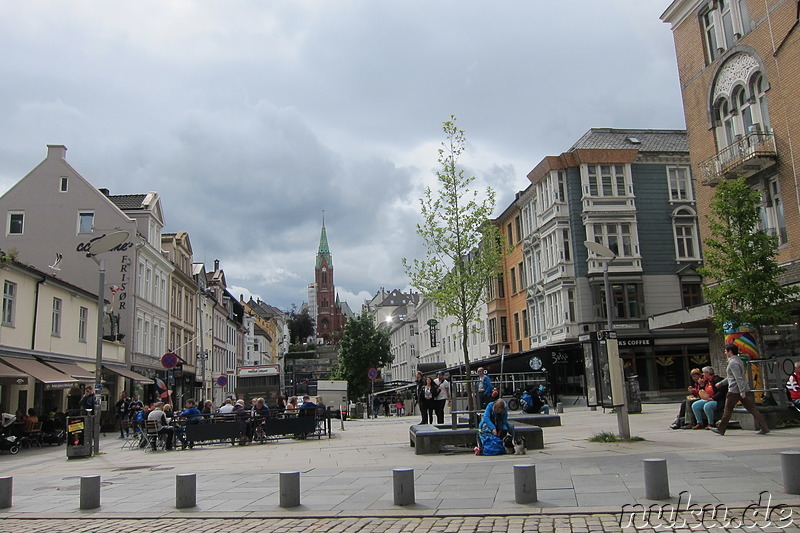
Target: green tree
[
  {"x": 301, "y": 326},
  {"x": 739, "y": 260},
  {"x": 462, "y": 243},
  {"x": 363, "y": 346}
]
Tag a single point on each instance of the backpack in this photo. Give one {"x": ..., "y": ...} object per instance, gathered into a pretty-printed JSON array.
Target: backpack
[{"x": 491, "y": 444}]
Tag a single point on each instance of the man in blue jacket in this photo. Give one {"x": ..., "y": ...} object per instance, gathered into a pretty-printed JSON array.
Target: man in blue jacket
[{"x": 485, "y": 388}]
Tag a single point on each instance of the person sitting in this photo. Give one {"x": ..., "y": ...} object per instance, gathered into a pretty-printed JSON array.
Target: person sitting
[
  {"x": 162, "y": 427},
  {"x": 227, "y": 407},
  {"x": 793, "y": 386},
  {"x": 30, "y": 420},
  {"x": 694, "y": 391},
  {"x": 711, "y": 399},
  {"x": 191, "y": 415},
  {"x": 532, "y": 403},
  {"x": 494, "y": 424},
  {"x": 307, "y": 408},
  {"x": 291, "y": 406}
]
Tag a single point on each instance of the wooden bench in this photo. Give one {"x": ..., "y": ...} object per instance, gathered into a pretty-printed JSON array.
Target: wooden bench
[{"x": 429, "y": 438}]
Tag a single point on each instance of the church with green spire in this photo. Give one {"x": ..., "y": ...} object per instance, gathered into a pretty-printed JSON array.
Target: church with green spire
[{"x": 331, "y": 316}]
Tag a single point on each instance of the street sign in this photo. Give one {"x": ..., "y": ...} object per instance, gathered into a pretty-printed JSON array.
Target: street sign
[
  {"x": 222, "y": 381},
  {"x": 169, "y": 360},
  {"x": 372, "y": 373}
]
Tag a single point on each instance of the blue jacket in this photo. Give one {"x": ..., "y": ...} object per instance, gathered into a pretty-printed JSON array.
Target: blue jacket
[
  {"x": 192, "y": 414},
  {"x": 488, "y": 424},
  {"x": 487, "y": 386}
]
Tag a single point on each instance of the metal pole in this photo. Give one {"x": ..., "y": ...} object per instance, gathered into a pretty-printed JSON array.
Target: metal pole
[
  {"x": 98, "y": 363},
  {"x": 623, "y": 425},
  {"x": 202, "y": 354}
]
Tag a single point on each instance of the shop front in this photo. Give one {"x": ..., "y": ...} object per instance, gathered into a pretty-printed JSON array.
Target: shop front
[{"x": 663, "y": 365}]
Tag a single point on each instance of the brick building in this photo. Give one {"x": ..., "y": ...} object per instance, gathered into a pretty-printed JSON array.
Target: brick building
[{"x": 739, "y": 70}]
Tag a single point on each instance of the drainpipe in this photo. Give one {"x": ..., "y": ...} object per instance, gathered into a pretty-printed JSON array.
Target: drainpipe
[{"x": 35, "y": 312}]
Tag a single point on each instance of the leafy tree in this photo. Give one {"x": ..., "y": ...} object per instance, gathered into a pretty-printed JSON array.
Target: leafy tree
[
  {"x": 740, "y": 259},
  {"x": 301, "y": 326},
  {"x": 363, "y": 346},
  {"x": 463, "y": 249}
]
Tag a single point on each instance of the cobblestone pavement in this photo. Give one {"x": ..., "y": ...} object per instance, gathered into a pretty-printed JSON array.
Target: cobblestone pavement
[{"x": 457, "y": 524}]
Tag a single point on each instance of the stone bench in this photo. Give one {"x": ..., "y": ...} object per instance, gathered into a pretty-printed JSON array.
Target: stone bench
[
  {"x": 776, "y": 416},
  {"x": 429, "y": 438},
  {"x": 541, "y": 420}
]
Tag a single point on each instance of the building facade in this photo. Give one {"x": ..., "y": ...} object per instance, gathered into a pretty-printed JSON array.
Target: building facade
[
  {"x": 631, "y": 191},
  {"x": 739, "y": 71}
]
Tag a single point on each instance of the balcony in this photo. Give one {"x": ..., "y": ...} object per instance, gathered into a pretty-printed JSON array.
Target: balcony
[{"x": 746, "y": 156}]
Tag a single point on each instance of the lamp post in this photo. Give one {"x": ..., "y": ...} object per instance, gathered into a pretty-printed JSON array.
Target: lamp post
[
  {"x": 103, "y": 244},
  {"x": 615, "y": 370}
]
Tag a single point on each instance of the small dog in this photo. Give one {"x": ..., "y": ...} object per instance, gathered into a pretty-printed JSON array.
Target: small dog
[
  {"x": 519, "y": 446},
  {"x": 514, "y": 445}
]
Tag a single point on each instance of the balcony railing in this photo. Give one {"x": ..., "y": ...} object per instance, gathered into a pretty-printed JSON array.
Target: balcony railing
[{"x": 746, "y": 156}]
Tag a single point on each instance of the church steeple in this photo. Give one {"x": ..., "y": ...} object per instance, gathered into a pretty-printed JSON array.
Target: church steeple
[{"x": 324, "y": 251}]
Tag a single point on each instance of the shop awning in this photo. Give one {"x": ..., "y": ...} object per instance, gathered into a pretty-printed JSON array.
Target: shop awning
[
  {"x": 52, "y": 378},
  {"x": 130, "y": 374},
  {"x": 71, "y": 369},
  {"x": 9, "y": 375}
]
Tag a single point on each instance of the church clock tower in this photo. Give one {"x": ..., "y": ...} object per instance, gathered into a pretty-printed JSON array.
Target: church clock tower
[{"x": 330, "y": 319}]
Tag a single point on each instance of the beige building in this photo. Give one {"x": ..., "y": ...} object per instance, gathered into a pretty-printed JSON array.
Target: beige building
[{"x": 48, "y": 342}]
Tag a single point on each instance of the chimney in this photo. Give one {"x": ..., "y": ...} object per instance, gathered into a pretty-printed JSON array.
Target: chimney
[
  {"x": 105, "y": 192},
  {"x": 56, "y": 151},
  {"x": 216, "y": 265}
]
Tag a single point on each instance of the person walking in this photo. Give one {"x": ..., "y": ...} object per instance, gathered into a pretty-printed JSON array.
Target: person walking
[
  {"x": 122, "y": 408},
  {"x": 442, "y": 398},
  {"x": 738, "y": 390},
  {"x": 485, "y": 388}
]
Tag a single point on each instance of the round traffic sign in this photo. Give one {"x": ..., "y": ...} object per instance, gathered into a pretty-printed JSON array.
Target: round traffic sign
[
  {"x": 372, "y": 373},
  {"x": 222, "y": 381},
  {"x": 169, "y": 360}
]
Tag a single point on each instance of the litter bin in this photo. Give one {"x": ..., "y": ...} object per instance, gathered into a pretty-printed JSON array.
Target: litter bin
[{"x": 80, "y": 436}]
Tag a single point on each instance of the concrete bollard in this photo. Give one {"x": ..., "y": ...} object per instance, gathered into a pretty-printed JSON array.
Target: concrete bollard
[
  {"x": 289, "y": 489},
  {"x": 90, "y": 492},
  {"x": 403, "y": 486},
  {"x": 790, "y": 465},
  {"x": 525, "y": 484},
  {"x": 185, "y": 491},
  {"x": 559, "y": 408},
  {"x": 656, "y": 479},
  {"x": 6, "y": 488}
]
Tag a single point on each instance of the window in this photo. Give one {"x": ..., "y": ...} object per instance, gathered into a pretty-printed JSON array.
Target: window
[
  {"x": 680, "y": 185},
  {"x": 83, "y": 319},
  {"x": 9, "y": 299},
  {"x": 685, "y": 229},
  {"x": 526, "y": 329},
  {"x": 518, "y": 226},
  {"x": 616, "y": 236},
  {"x": 55, "y": 325},
  {"x": 492, "y": 331},
  {"x": 606, "y": 180},
  {"x": 624, "y": 300},
  {"x": 513, "y": 276},
  {"x": 85, "y": 222},
  {"x": 16, "y": 223},
  {"x": 523, "y": 282},
  {"x": 692, "y": 294},
  {"x": 64, "y": 183},
  {"x": 771, "y": 216},
  {"x": 510, "y": 235},
  {"x": 503, "y": 329},
  {"x": 723, "y": 22},
  {"x": 501, "y": 286}
]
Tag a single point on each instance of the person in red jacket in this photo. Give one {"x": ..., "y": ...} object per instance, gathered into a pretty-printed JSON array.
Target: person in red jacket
[{"x": 794, "y": 385}]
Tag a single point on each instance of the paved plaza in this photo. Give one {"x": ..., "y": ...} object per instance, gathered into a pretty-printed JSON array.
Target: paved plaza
[{"x": 347, "y": 482}]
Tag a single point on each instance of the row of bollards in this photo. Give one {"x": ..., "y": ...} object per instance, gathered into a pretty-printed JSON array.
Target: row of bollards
[{"x": 656, "y": 485}]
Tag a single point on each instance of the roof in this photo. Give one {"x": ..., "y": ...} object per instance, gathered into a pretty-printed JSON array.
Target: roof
[
  {"x": 128, "y": 201},
  {"x": 626, "y": 139}
]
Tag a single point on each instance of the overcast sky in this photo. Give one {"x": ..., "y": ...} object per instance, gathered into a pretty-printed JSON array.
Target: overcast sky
[{"x": 250, "y": 118}]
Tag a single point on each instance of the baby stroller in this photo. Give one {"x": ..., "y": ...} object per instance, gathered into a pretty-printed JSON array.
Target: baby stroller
[{"x": 7, "y": 440}]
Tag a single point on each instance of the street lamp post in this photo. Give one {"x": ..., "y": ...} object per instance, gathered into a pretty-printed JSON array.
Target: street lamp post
[
  {"x": 101, "y": 245},
  {"x": 616, "y": 371}
]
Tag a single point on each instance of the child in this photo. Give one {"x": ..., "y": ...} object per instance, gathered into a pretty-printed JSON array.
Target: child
[{"x": 399, "y": 407}]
